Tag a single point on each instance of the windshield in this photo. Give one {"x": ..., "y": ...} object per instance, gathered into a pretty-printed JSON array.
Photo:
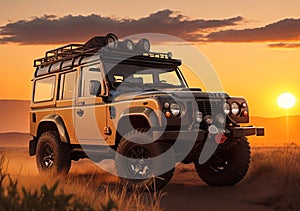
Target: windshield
[{"x": 123, "y": 77}]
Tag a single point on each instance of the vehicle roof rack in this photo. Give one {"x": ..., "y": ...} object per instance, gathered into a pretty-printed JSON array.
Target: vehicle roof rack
[{"x": 92, "y": 46}]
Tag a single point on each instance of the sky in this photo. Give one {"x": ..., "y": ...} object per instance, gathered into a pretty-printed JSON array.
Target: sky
[{"x": 254, "y": 46}]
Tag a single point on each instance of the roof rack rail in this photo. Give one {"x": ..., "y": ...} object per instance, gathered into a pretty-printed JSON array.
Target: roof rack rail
[
  {"x": 72, "y": 50},
  {"x": 60, "y": 53}
]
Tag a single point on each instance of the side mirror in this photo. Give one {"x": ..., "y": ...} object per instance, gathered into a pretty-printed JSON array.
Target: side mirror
[
  {"x": 95, "y": 88},
  {"x": 106, "y": 98}
]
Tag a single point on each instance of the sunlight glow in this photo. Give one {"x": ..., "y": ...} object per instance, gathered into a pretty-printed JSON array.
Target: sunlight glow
[{"x": 286, "y": 100}]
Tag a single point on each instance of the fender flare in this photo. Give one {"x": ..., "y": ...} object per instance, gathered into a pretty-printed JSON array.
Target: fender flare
[
  {"x": 60, "y": 125},
  {"x": 147, "y": 113}
]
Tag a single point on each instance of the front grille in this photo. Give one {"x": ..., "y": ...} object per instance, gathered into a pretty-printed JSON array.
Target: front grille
[
  {"x": 189, "y": 108},
  {"x": 206, "y": 106}
]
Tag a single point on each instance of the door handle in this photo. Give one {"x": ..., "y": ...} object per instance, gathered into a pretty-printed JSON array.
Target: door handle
[
  {"x": 81, "y": 103},
  {"x": 80, "y": 112}
]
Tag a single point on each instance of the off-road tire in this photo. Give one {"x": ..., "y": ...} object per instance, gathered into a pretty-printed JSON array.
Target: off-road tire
[
  {"x": 132, "y": 143},
  {"x": 53, "y": 157},
  {"x": 215, "y": 174}
]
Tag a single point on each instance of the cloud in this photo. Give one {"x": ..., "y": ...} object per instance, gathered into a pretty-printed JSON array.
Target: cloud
[
  {"x": 284, "y": 30},
  {"x": 284, "y": 45},
  {"x": 50, "y": 29}
]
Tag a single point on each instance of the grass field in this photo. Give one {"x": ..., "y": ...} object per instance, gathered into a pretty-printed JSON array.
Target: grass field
[{"x": 275, "y": 170}]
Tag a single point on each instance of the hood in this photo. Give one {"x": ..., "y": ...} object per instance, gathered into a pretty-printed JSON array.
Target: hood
[{"x": 178, "y": 93}]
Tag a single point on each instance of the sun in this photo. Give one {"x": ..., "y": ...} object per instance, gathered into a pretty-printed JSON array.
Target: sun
[{"x": 286, "y": 100}]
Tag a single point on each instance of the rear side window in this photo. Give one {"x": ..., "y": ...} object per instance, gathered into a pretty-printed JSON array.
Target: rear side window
[
  {"x": 44, "y": 89},
  {"x": 67, "y": 86}
]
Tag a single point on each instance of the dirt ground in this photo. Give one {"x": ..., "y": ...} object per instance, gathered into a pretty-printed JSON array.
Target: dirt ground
[{"x": 186, "y": 191}]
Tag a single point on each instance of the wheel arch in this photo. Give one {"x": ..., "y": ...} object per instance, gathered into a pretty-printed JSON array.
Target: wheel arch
[
  {"x": 55, "y": 123},
  {"x": 133, "y": 118}
]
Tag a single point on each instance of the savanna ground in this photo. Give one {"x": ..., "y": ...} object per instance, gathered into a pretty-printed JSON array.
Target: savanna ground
[{"x": 272, "y": 182}]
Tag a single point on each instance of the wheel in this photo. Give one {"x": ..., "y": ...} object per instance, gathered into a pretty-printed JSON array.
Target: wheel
[
  {"x": 140, "y": 166},
  {"x": 226, "y": 168},
  {"x": 52, "y": 156}
]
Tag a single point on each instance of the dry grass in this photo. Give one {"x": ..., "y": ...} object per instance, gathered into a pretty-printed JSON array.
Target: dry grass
[
  {"x": 282, "y": 167},
  {"x": 93, "y": 186},
  {"x": 279, "y": 167},
  {"x": 91, "y": 189}
]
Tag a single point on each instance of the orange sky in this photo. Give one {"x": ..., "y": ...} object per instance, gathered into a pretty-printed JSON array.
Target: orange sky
[{"x": 251, "y": 69}]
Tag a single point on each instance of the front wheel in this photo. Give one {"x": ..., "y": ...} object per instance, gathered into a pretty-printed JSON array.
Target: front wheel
[
  {"x": 144, "y": 167},
  {"x": 227, "y": 167},
  {"x": 52, "y": 156}
]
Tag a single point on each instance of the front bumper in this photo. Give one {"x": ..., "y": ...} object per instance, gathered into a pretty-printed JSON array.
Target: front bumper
[
  {"x": 237, "y": 132},
  {"x": 232, "y": 132}
]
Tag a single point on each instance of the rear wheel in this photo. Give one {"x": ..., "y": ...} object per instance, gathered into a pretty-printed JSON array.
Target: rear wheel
[
  {"x": 141, "y": 166},
  {"x": 227, "y": 167},
  {"x": 52, "y": 156}
]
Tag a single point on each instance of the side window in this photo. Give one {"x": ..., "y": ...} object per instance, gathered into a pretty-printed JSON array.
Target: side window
[
  {"x": 67, "y": 86},
  {"x": 91, "y": 79},
  {"x": 145, "y": 78},
  {"x": 170, "y": 77},
  {"x": 44, "y": 89}
]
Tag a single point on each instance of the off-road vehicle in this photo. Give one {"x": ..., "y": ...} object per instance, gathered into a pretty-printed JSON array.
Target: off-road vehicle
[{"x": 111, "y": 99}]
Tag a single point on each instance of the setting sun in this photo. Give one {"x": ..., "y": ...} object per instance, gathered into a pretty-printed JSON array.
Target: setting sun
[{"x": 286, "y": 100}]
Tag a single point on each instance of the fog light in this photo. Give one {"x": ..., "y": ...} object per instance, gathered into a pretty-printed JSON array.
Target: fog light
[
  {"x": 213, "y": 129},
  {"x": 220, "y": 118},
  {"x": 208, "y": 120},
  {"x": 166, "y": 105}
]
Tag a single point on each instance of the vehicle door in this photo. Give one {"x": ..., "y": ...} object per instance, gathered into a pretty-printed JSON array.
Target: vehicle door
[{"x": 91, "y": 110}]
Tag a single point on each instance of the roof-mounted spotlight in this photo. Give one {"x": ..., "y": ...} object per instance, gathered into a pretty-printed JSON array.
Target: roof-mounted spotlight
[
  {"x": 111, "y": 40},
  {"x": 143, "y": 45},
  {"x": 169, "y": 55},
  {"x": 126, "y": 45}
]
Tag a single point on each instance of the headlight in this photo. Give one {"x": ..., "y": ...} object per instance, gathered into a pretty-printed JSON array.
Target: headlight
[
  {"x": 226, "y": 108},
  {"x": 175, "y": 109},
  {"x": 235, "y": 108},
  {"x": 199, "y": 116}
]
